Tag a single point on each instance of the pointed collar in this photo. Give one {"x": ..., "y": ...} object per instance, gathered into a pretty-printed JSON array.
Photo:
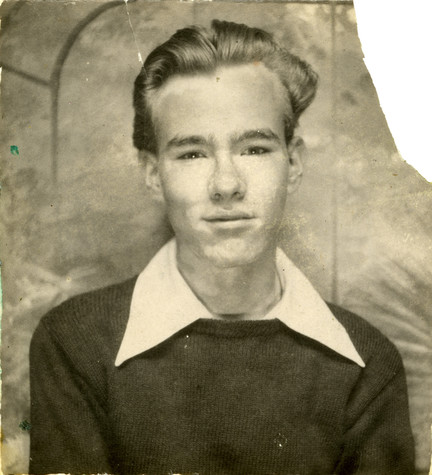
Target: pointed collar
[{"x": 163, "y": 304}]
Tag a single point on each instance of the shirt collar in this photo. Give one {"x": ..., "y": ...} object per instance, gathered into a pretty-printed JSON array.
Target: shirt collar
[{"x": 163, "y": 304}]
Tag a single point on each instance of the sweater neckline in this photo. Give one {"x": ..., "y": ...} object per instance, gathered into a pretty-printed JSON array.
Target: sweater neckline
[{"x": 235, "y": 328}]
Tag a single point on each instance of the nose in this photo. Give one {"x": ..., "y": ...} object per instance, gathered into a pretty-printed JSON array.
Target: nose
[{"x": 226, "y": 182}]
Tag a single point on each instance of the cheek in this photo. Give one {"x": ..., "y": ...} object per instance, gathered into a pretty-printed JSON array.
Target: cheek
[
  {"x": 269, "y": 187},
  {"x": 181, "y": 190}
]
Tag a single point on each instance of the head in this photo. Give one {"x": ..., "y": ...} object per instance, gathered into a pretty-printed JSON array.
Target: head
[{"x": 208, "y": 103}]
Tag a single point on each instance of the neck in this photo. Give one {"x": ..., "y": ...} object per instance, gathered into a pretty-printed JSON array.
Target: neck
[{"x": 236, "y": 293}]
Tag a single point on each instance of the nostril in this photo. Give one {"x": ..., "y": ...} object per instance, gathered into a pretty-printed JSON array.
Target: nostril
[{"x": 226, "y": 183}]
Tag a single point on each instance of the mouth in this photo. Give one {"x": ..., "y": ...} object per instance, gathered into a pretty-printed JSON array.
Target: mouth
[
  {"x": 228, "y": 217},
  {"x": 229, "y": 222}
]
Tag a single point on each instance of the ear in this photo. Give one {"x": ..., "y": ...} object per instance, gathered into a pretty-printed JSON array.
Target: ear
[
  {"x": 296, "y": 151},
  {"x": 150, "y": 163}
]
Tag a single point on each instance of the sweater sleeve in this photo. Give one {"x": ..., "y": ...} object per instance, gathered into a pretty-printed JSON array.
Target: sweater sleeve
[
  {"x": 68, "y": 421},
  {"x": 380, "y": 440}
]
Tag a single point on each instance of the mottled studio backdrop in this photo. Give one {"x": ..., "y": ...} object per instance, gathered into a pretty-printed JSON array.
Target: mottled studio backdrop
[{"x": 76, "y": 216}]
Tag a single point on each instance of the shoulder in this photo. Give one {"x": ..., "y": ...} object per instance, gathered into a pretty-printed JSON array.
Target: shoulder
[
  {"x": 92, "y": 321},
  {"x": 382, "y": 381},
  {"x": 373, "y": 346},
  {"x": 368, "y": 340}
]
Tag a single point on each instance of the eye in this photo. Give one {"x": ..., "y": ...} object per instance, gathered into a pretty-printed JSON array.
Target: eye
[
  {"x": 191, "y": 155},
  {"x": 256, "y": 151}
]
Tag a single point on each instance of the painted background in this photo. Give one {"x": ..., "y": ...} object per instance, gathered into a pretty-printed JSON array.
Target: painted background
[{"x": 359, "y": 227}]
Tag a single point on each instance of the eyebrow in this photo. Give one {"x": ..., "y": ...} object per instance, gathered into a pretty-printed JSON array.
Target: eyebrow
[
  {"x": 179, "y": 141},
  {"x": 254, "y": 134}
]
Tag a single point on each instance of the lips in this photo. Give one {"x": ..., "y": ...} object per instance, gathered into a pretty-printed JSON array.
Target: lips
[{"x": 231, "y": 216}]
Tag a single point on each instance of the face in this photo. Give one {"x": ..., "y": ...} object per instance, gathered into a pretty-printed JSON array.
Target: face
[{"x": 223, "y": 168}]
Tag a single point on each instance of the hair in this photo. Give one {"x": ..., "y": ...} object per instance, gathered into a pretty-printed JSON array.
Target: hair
[{"x": 196, "y": 50}]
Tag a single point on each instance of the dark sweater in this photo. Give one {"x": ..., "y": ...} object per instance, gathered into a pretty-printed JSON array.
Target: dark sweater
[{"x": 248, "y": 397}]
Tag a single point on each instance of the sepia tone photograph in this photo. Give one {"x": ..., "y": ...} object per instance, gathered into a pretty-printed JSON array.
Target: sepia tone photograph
[{"x": 214, "y": 259}]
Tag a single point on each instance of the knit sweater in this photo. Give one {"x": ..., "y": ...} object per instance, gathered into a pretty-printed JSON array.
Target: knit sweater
[{"x": 245, "y": 397}]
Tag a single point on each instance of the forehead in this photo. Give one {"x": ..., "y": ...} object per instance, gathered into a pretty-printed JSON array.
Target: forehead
[{"x": 231, "y": 99}]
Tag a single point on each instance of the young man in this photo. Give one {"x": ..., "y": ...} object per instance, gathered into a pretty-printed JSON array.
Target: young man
[{"x": 220, "y": 357}]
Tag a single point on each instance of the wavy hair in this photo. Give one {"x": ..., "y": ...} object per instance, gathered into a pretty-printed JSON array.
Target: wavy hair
[{"x": 194, "y": 50}]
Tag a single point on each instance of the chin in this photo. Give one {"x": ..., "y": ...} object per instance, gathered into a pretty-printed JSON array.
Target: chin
[{"x": 233, "y": 252}]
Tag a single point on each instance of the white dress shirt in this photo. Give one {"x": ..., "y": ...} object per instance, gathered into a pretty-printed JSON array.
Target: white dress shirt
[{"x": 163, "y": 304}]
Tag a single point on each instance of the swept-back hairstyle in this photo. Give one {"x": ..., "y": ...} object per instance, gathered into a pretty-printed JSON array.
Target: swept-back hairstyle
[{"x": 196, "y": 50}]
